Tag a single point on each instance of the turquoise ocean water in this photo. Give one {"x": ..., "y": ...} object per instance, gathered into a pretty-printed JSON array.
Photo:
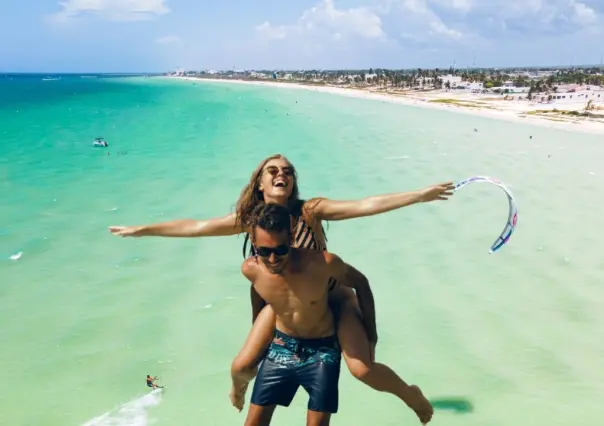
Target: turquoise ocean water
[{"x": 511, "y": 339}]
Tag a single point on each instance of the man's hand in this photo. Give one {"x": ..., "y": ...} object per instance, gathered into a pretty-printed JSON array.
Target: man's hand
[
  {"x": 437, "y": 192},
  {"x": 127, "y": 231}
]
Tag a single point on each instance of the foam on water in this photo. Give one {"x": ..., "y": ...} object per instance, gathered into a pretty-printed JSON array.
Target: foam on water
[
  {"x": 133, "y": 413},
  {"x": 16, "y": 256}
]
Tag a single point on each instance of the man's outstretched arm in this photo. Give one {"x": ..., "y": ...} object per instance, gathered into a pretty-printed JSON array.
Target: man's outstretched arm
[{"x": 351, "y": 277}]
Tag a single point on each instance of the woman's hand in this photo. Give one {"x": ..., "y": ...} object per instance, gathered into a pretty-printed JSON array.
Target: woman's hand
[
  {"x": 440, "y": 192},
  {"x": 127, "y": 231}
]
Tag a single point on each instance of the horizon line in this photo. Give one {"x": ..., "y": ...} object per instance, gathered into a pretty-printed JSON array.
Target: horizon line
[{"x": 2, "y": 72}]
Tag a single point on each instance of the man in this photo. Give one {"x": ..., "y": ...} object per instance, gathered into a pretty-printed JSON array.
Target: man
[{"x": 305, "y": 350}]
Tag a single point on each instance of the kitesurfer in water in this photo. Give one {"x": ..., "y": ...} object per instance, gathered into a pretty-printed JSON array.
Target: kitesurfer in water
[{"x": 151, "y": 382}]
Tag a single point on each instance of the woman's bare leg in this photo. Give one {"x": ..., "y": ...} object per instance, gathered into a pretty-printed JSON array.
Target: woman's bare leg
[
  {"x": 244, "y": 366},
  {"x": 356, "y": 350}
]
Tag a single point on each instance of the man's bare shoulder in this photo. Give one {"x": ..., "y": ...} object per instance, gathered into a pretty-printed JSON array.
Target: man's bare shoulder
[
  {"x": 334, "y": 264},
  {"x": 250, "y": 268}
]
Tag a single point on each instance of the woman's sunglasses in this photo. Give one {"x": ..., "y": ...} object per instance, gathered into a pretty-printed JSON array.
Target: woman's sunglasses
[
  {"x": 281, "y": 250},
  {"x": 274, "y": 170}
]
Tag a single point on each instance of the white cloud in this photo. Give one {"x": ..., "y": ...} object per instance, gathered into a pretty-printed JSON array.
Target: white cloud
[
  {"x": 271, "y": 32},
  {"x": 439, "y": 28},
  {"x": 432, "y": 23},
  {"x": 325, "y": 19},
  {"x": 112, "y": 10},
  {"x": 530, "y": 16},
  {"x": 169, "y": 40},
  {"x": 400, "y": 32},
  {"x": 324, "y": 33},
  {"x": 460, "y": 5},
  {"x": 417, "y": 23},
  {"x": 584, "y": 15}
]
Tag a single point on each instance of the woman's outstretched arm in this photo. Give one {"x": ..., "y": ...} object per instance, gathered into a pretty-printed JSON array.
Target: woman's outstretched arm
[
  {"x": 216, "y": 227},
  {"x": 326, "y": 209}
]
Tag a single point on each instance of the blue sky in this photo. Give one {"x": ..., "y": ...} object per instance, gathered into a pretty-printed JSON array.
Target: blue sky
[{"x": 158, "y": 35}]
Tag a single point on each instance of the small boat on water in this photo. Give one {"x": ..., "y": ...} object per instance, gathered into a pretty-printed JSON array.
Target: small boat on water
[{"x": 100, "y": 142}]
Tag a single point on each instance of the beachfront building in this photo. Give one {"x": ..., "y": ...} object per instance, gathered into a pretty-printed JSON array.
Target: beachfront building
[
  {"x": 450, "y": 80},
  {"x": 254, "y": 74},
  {"x": 514, "y": 90},
  {"x": 577, "y": 97},
  {"x": 179, "y": 72},
  {"x": 472, "y": 86}
]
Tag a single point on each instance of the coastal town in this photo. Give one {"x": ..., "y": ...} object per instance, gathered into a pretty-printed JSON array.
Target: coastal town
[{"x": 573, "y": 94}]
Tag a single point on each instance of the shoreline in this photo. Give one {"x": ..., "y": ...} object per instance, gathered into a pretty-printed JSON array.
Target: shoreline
[{"x": 544, "y": 115}]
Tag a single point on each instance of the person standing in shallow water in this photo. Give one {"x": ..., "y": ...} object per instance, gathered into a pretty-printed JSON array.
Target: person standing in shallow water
[
  {"x": 275, "y": 181},
  {"x": 304, "y": 351}
]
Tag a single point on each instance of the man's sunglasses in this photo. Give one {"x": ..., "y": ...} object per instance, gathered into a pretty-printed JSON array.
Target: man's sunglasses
[
  {"x": 281, "y": 250},
  {"x": 274, "y": 170}
]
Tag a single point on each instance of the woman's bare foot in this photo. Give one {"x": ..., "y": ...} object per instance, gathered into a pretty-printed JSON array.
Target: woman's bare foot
[
  {"x": 237, "y": 396},
  {"x": 419, "y": 404}
]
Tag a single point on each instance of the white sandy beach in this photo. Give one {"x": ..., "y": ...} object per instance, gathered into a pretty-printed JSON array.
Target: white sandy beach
[{"x": 473, "y": 104}]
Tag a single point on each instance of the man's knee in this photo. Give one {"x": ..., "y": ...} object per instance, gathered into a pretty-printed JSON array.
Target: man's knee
[
  {"x": 259, "y": 416},
  {"x": 314, "y": 418}
]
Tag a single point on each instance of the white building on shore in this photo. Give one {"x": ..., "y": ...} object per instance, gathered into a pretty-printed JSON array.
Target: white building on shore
[
  {"x": 453, "y": 80},
  {"x": 582, "y": 97}
]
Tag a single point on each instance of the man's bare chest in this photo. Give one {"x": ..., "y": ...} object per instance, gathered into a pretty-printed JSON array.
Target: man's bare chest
[{"x": 308, "y": 288}]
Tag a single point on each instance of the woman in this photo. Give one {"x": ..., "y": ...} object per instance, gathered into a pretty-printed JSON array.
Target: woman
[{"x": 275, "y": 180}]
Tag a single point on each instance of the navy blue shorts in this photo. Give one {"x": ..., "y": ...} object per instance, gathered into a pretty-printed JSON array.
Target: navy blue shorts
[{"x": 290, "y": 363}]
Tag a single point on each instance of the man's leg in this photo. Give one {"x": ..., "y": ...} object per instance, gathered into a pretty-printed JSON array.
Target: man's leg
[
  {"x": 315, "y": 418},
  {"x": 320, "y": 379},
  {"x": 259, "y": 416},
  {"x": 275, "y": 385}
]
